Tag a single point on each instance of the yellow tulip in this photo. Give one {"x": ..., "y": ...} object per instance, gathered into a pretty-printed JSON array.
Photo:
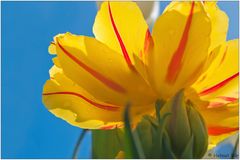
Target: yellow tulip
[{"x": 93, "y": 78}]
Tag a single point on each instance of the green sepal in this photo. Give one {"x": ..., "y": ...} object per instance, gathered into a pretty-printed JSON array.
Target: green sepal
[
  {"x": 199, "y": 131},
  {"x": 166, "y": 147},
  {"x": 157, "y": 149},
  {"x": 177, "y": 126},
  {"x": 188, "y": 151}
]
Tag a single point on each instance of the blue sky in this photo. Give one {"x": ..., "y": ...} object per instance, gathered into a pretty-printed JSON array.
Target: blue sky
[{"x": 28, "y": 129}]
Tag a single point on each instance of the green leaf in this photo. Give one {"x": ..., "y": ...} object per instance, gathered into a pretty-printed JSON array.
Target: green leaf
[
  {"x": 106, "y": 143},
  {"x": 132, "y": 146}
]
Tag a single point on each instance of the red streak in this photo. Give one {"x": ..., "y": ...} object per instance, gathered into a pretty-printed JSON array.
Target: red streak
[
  {"x": 111, "y": 126},
  {"x": 102, "y": 106},
  {"x": 229, "y": 99},
  {"x": 124, "y": 50},
  {"x": 218, "y": 86},
  {"x": 148, "y": 41},
  {"x": 176, "y": 61},
  {"x": 53, "y": 43},
  {"x": 94, "y": 73},
  {"x": 141, "y": 54},
  {"x": 108, "y": 127},
  {"x": 215, "y": 131},
  {"x": 216, "y": 104}
]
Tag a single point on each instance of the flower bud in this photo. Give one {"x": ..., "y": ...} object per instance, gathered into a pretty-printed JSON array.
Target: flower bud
[
  {"x": 177, "y": 131},
  {"x": 199, "y": 131},
  {"x": 177, "y": 124},
  {"x": 185, "y": 127}
]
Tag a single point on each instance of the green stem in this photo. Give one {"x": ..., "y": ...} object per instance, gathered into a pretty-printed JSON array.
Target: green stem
[
  {"x": 77, "y": 146},
  {"x": 233, "y": 156},
  {"x": 133, "y": 148}
]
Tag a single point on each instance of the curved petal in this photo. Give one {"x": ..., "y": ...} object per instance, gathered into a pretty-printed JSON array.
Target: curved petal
[
  {"x": 181, "y": 40},
  {"x": 75, "y": 105},
  {"x": 68, "y": 101},
  {"x": 101, "y": 71},
  {"x": 52, "y": 48},
  {"x": 220, "y": 120},
  {"x": 122, "y": 31},
  {"x": 219, "y": 84},
  {"x": 219, "y": 21}
]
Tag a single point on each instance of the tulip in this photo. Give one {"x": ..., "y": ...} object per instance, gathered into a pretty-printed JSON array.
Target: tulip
[{"x": 92, "y": 79}]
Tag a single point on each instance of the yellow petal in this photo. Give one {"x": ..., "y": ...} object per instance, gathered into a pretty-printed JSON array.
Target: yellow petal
[
  {"x": 52, "y": 48},
  {"x": 214, "y": 140},
  {"x": 224, "y": 116},
  {"x": 120, "y": 155},
  {"x": 122, "y": 27},
  {"x": 181, "y": 39},
  {"x": 219, "y": 21},
  {"x": 219, "y": 84},
  {"x": 221, "y": 122},
  {"x": 75, "y": 105},
  {"x": 101, "y": 71},
  {"x": 66, "y": 100}
]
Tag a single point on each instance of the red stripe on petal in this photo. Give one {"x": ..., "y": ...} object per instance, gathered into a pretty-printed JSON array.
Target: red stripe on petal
[
  {"x": 229, "y": 99},
  {"x": 109, "y": 127},
  {"x": 215, "y": 131},
  {"x": 218, "y": 86},
  {"x": 124, "y": 50},
  {"x": 216, "y": 104},
  {"x": 111, "y": 84},
  {"x": 53, "y": 43},
  {"x": 148, "y": 43},
  {"x": 176, "y": 61},
  {"x": 101, "y": 106},
  {"x": 141, "y": 54}
]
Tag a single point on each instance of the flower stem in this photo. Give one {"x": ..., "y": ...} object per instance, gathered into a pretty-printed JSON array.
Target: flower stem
[
  {"x": 77, "y": 146},
  {"x": 233, "y": 156}
]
